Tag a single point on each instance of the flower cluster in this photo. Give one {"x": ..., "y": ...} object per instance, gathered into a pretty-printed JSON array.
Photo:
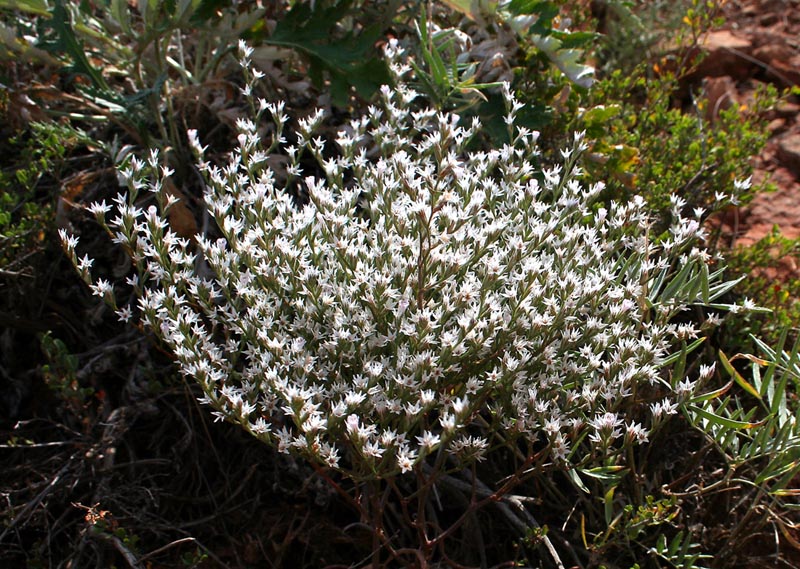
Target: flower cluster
[{"x": 417, "y": 298}]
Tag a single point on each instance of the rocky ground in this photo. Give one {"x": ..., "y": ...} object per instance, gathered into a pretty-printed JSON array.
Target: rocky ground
[{"x": 760, "y": 43}]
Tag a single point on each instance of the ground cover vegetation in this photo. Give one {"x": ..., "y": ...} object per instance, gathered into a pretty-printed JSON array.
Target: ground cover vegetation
[{"x": 446, "y": 273}]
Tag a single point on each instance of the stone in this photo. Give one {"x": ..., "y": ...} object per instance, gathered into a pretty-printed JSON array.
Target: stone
[
  {"x": 787, "y": 109},
  {"x": 773, "y": 51},
  {"x": 720, "y": 94},
  {"x": 789, "y": 152},
  {"x": 776, "y": 126},
  {"x": 727, "y": 54},
  {"x": 788, "y": 72}
]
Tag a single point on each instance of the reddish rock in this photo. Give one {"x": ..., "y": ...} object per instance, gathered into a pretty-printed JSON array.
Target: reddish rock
[
  {"x": 789, "y": 152},
  {"x": 781, "y": 208},
  {"x": 787, "y": 109},
  {"x": 728, "y": 54},
  {"x": 787, "y": 72},
  {"x": 776, "y": 126},
  {"x": 720, "y": 94},
  {"x": 773, "y": 52}
]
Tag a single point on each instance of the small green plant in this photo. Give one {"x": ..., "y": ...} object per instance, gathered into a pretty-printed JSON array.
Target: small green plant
[
  {"x": 337, "y": 38},
  {"x": 27, "y": 206},
  {"x": 643, "y": 32},
  {"x": 771, "y": 284},
  {"x": 707, "y": 158},
  {"x": 131, "y": 65},
  {"x": 60, "y": 374},
  {"x": 757, "y": 432},
  {"x": 444, "y": 74}
]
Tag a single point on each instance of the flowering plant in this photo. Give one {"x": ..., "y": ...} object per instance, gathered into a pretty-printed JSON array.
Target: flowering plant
[{"x": 417, "y": 304}]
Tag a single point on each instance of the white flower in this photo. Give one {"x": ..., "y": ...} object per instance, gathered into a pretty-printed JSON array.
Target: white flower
[
  {"x": 605, "y": 427},
  {"x": 125, "y": 314},
  {"x": 428, "y": 441},
  {"x": 102, "y": 288},
  {"x": 373, "y": 449},
  {"x": 406, "y": 459},
  {"x": 706, "y": 371},
  {"x": 68, "y": 241},
  {"x": 408, "y": 293},
  {"x": 635, "y": 431}
]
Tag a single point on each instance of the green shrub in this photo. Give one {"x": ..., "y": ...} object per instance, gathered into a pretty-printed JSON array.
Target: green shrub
[
  {"x": 421, "y": 312},
  {"x": 771, "y": 283}
]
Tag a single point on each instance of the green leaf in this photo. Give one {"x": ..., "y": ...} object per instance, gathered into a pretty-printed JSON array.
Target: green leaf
[
  {"x": 704, "y": 284},
  {"x": 567, "y": 60},
  {"x": 712, "y": 394},
  {"x": 72, "y": 47},
  {"x": 37, "y": 7},
  {"x": 185, "y": 10},
  {"x": 471, "y": 8},
  {"x": 546, "y": 12},
  {"x": 793, "y": 467},
  {"x": 572, "y": 40},
  {"x": 121, "y": 14},
  {"x": 678, "y": 283},
  {"x": 672, "y": 358},
  {"x": 431, "y": 53},
  {"x": 608, "y": 503},
  {"x": 612, "y": 474},
  {"x": 715, "y": 419},
  {"x": 723, "y": 288},
  {"x": 737, "y": 376},
  {"x": 600, "y": 114},
  {"x": 572, "y": 474},
  {"x": 347, "y": 60}
]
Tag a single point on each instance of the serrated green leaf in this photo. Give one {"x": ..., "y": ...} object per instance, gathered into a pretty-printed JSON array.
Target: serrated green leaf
[
  {"x": 309, "y": 32},
  {"x": 545, "y": 12},
  {"x": 69, "y": 42},
  {"x": 567, "y": 60}
]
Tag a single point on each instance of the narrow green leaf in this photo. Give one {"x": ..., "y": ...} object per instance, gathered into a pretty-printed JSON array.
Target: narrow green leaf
[
  {"x": 576, "y": 480},
  {"x": 677, "y": 283},
  {"x": 781, "y": 471},
  {"x": 608, "y": 505},
  {"x": 121, "y": 14},
  {"x": 712, "y": 394},
  {"x": 715, "y": 419},
  {"x": 680, "y": 365},
  {"x": 737, "y": 377},
  {"x": 661, "y": 544},
  {"x": 704, "y": 284},
  {"x": 37, "y": 7},
  {"x": 675, "y": 544},
  {"x": 605, "y": 473},
  {"x": 722, "y": 288},
  {"x": 672, "y": 358}
]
